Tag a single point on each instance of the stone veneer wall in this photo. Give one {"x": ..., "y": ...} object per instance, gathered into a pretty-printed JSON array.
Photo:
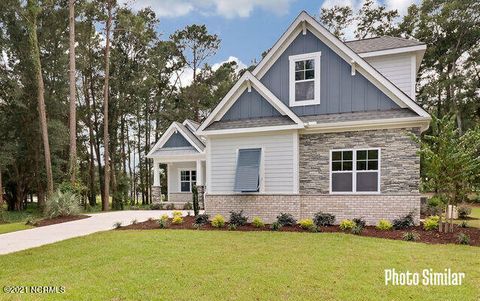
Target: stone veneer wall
[
  {"x": 156, "y": 194},
  {"x": 183, "y": 197},
  {"x": 400, "y": 173}
]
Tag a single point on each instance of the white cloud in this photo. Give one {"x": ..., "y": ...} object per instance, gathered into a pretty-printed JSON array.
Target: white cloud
[
  {"x": 240, "y": 64},
  {"x": 400, "y": 5},
  {"x": 226, "y": 8}
]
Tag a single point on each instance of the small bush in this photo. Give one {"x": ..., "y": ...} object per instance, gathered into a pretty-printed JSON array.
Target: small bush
[
  {"x": 134, "y": 221},
  {"x": 117, "y": 225},
  {"x": 177, "y": 220},
  {"x": 463, "y": 239},
  {"x": 347, "y": 224},
  {"x": 170, "y": 207},
  {"x": 62, "y": 204},
  {"x": 201, "y": 219},
  {"x": 360, "y": 222},
  {"x": 323, "y": 219},
  {"x": 177, "y": 213},
  {"x": 286, "y": 219},
  {"x": 187, "y": 206},
  {"x": 434, "y": 201},
  {"x": 232, "y": 227},
  {"x": 410, "y": 236},
  {"x": 384, "y": 225},
  {"x": 464, "y": 211},
  {"x": 357, "y": 229},
  {"x": 156, "y": 206},
  {"x": 31, "y": 221},
  {"x": 463, "y": 224},
  {"x": 164, "y": 217},
  {"x": 237, "y": 218},
  {"x": 431, "y": 223},
  {"x": 307, "y": 224},
  {"x": 218, "y": 221},
  {"x": 276, "y": 226},
  {"x": 404, "y": 222},
  {"x": 258, "y": 223},
  {"x": 163, "y": 223}
]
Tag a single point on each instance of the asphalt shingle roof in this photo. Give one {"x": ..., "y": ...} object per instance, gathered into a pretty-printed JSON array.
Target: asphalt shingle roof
[{"x": 380, "y": 43}]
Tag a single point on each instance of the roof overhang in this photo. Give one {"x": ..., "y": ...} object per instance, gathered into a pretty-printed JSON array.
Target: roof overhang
[
  {"x": 173, "y": 128},
  {"x": 178, "y": 158},
  {"x": 418, "y": 50},
  {"x": 253, "y": 130}
]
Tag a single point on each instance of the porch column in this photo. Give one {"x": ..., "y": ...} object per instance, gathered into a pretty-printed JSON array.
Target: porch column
[
  {"x": 200, "y": 183},
  {"x": 156, "y": 188}
]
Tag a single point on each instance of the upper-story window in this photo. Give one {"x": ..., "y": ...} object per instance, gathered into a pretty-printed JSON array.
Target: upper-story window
[{"x": 304, "y": 79}]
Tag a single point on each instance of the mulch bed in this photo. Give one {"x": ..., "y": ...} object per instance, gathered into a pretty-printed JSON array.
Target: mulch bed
[
  {"x": 58, "y": 220},
  {"x": 430, "y": 237}
]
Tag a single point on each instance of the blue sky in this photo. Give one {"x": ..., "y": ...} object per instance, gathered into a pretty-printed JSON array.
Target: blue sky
[{"x": 246, "y": 27}]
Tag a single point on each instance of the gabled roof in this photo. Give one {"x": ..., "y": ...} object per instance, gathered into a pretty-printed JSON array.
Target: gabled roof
[
  {"x": 177, "y": 127},
  {"x": 305, "y": 22},
  {"x": 248, "y": 81},
  {"x": 381, "y": 43}
]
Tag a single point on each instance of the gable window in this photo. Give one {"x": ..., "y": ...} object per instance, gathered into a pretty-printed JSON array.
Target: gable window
[
  {"x": 355, "y": 171},
  {"x": 247, "y": 177},
  {"x": 188, "y": 178},
  {"x": 304, "y": 79}
]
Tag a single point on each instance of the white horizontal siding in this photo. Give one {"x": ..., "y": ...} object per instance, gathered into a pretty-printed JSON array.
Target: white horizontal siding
[
  {"x": 173, "y": 176},
  {"x": 277, "y": 166},
  {"x": 398, "y": 68}
]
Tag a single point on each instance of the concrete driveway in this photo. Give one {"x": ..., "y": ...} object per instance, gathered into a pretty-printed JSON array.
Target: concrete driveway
[{"x": 26, "y": 239}]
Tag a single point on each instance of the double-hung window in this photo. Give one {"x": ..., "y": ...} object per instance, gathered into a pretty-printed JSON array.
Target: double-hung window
[
  {"x": 355, "y": 171},
  {"x": 188, "y": 178},
  {"x": 304, "y": 79}
]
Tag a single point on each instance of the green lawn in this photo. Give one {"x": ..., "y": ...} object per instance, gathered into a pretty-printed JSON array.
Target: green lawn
[
  {"x": 223, "y": 265},
  {"x": 5, "y": 228}
]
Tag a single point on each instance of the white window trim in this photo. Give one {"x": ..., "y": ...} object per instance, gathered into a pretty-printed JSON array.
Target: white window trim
[
  {"x": 180, "y": 179},
  {"x": 316, "y": 56},
  {"x": 261, "y": 169},
  {"x": 354, "y": 170}
]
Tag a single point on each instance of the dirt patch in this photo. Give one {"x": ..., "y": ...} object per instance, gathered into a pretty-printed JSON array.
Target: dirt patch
[
  {"x": 58, "y": 220},
  {"x": 430, "y": 237}
]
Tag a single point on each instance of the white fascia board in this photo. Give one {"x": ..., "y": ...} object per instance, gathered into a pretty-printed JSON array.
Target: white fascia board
[
  {"x": 179, "y": 158},
  {"x": 363, "y": 125},
  {"x": 168, "y": 133},
  {"x": 252, "y": 130},
  {"x": 393, "y": 51},
  {"x": 343, "y": 51}
]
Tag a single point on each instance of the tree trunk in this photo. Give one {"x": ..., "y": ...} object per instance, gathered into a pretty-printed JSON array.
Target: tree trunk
[
  {"x": 91, "y": 142},
  {"x": 1, "y": 191},
  {"x": 73, "y": 113},
  {"x": 33, "y": 9},
  {"x": 105, "y": 110},
  {"x": 97, "y": 137}
]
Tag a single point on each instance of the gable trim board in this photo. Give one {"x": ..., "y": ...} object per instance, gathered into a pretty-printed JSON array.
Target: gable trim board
[
  {"x": 246, "y": 82},
  {"x": 347, "y": 54},
  {"x": 172, "y": 129}
]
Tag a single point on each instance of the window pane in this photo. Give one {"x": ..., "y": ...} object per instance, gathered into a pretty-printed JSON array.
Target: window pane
[
  {"x": 372, "y": 154},
  {"x": 185, "y": 175},
  {"x": 309, "y": 64},
  {"x": 304, "y": 91},
  {"x": 299, "y": 75},
  {"x": 361, "y": 155},
  {"x": 336, "y": 156},
  {"x": 367, "y": 181},
  {"x": 347, "y": 155},
  {"x": 361, "y": 165},
  {"x": 347, "y": 165},
  {"x": 342, "y": 182},
  {"x": 185, "y": 186},
  {"x": 309, "y": 74},
  {"x": 372, "y": 165},
  {"x": 299, "y": 65},
  {"x": 336, "y": 166}
]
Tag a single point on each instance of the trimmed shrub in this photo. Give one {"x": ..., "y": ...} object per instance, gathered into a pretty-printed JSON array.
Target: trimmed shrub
[
  {"x": 307, "y": 224},
  {"x": 187, "y": 206},
  {"x": 62, "y": 204},
  {"x": 177, "y": 220},
  {"x": 163, "y": 223},
  {"x": 410, "y": 236},
  {"x": 156, "y": 206},
  {"x": 170, "y": 207},
  {"x": 218, "y": 221},
  {"x": 258, "y": 223},
  {"x": 276, "y": 226},
  {"x": 286, "y": 219},
  {"x": 323, "y": 219},
  {"x": 237, "y": 218},
  {"x": 360, "y": 222},
  {"x": 177, "y": 213},
  {"x": 431, "y": 223},
  {"x": 201, "y": 219},
  {"x": 404, "y": 222},
  {"x": 463, "y": 239},
  {"x": 357, "y": 229},
  {"x": 347, "y": 224},
  {"x": 164, "y": 217},
  {"x": 384, "y": 225},
  {"x": 464, "y": 211}
]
